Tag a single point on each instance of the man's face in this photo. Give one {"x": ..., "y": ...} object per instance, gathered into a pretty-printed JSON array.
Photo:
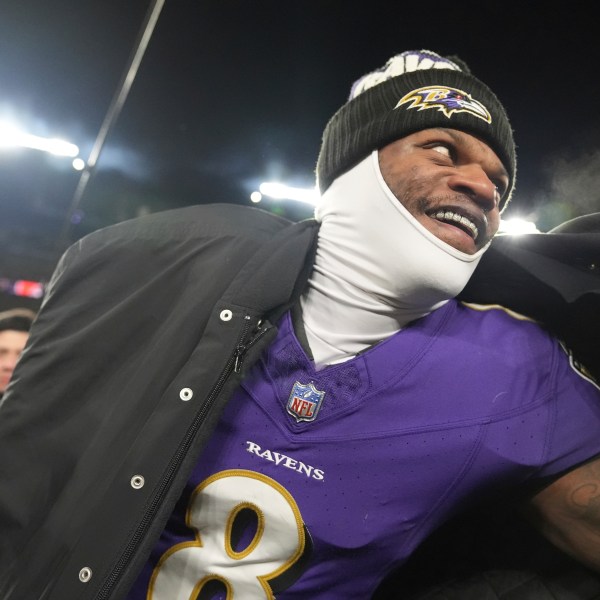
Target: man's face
[
  {"x": 450, "y": 181},
  {"x": 11, "y": 345}
]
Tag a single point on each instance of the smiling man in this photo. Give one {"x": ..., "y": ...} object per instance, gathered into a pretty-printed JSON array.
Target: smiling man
[
  {"x": 224, "y": 404},
  {"x": 413, "y": 176}
]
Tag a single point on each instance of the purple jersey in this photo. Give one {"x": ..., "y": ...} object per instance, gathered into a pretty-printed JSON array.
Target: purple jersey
[{"x": 317, "y": 483}]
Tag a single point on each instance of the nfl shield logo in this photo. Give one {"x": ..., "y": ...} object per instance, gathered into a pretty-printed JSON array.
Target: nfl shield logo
[{"x": 304, "y": 402}]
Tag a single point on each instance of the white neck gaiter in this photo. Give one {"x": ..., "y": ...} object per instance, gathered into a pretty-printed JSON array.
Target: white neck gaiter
[{"x": 376, "y": 269}]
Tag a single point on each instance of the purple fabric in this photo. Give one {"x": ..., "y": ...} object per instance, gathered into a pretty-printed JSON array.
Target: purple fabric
[{"x": 450, "y": 410}]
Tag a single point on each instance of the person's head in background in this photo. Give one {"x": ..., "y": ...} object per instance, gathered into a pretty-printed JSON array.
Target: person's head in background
[{"x": 14, "y": 333}]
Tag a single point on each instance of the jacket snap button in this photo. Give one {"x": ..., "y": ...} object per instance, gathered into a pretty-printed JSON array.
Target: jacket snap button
[
  {"x": 226, "y": 315},
  {"x": 186, "y": 394},
  {"x": 137, "y": 482},
  {"x": 85, "y": 574}
]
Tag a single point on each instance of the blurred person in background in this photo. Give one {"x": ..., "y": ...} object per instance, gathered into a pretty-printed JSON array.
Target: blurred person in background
[{"x": 14, "y": 333}]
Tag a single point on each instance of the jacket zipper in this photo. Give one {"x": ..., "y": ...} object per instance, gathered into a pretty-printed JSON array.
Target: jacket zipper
[
  {"x": 242, "y": 349},
  {"x": 234, "y": 360}
]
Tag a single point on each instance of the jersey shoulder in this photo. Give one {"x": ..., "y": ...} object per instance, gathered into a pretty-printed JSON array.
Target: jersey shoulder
[{"x": 515, "y": 320}]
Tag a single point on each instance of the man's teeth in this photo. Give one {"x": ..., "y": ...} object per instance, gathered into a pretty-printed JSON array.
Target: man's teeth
[{"x": 447, "y": 215}]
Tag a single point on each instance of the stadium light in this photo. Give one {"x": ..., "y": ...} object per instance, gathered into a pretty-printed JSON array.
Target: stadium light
[
  {"x": 78, "y": 164},
  {"x": 12, "y": 137},
  {"x": 280, "y": 191},
  {"x": 517, "y": 226}
]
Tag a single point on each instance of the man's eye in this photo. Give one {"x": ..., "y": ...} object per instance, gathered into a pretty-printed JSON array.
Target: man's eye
[{"x": 444, "y": 150}]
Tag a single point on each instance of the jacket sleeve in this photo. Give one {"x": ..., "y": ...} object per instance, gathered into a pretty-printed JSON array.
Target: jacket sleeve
[{"x": 553, "y": 278}]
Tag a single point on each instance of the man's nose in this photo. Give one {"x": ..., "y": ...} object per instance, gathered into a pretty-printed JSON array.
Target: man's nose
[
  {"x": 8, "y": 363},
  {"x": 473, "y": 181}
]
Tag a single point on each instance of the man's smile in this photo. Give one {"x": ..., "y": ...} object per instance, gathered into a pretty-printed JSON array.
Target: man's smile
[{"x": 461, "y": 219}]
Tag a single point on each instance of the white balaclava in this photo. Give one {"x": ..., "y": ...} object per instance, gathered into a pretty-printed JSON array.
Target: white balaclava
[{"x": 376, "y": 268}]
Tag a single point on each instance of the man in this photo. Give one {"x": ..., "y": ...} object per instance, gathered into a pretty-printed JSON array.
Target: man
[
  {"x": 233, "y": 405},
  {"x": 14, "y": 331}
]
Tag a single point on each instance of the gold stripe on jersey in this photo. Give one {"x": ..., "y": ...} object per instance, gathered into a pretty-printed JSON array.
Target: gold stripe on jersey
[{"x": 508, "y": 311}]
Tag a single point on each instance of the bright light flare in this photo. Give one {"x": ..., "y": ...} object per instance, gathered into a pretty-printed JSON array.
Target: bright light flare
[
  {"x": 517, "y": 226},
  {"x": 280, "y": 191},
  {"x": 78, "y": 164},
  {"x": 11, "y": 137}
]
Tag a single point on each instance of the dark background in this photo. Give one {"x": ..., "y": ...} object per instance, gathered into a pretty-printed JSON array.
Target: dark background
[{"x": 233, "y": 92}]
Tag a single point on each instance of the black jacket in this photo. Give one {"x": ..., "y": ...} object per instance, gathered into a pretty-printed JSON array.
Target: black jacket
[
  {"x": 138, "y": 318},
  {"x": 145, "y": 331}
]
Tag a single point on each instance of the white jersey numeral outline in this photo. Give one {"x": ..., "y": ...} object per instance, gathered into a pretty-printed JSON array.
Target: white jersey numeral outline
[{"x": 278, "y": 543}]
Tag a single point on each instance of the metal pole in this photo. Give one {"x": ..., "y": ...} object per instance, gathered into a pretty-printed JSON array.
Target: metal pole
[{"x": 114, "y": 109}]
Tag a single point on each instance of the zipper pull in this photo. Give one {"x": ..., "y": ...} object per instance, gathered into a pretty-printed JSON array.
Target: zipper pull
[
  {"x": 238, "y": 358},
  {"x": 242, "y": 348}
]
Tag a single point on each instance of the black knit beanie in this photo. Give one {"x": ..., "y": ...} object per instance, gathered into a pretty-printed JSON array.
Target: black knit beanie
[
  {"x": 415, "y": 90},
  {"x": 17, "y": 319}
]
